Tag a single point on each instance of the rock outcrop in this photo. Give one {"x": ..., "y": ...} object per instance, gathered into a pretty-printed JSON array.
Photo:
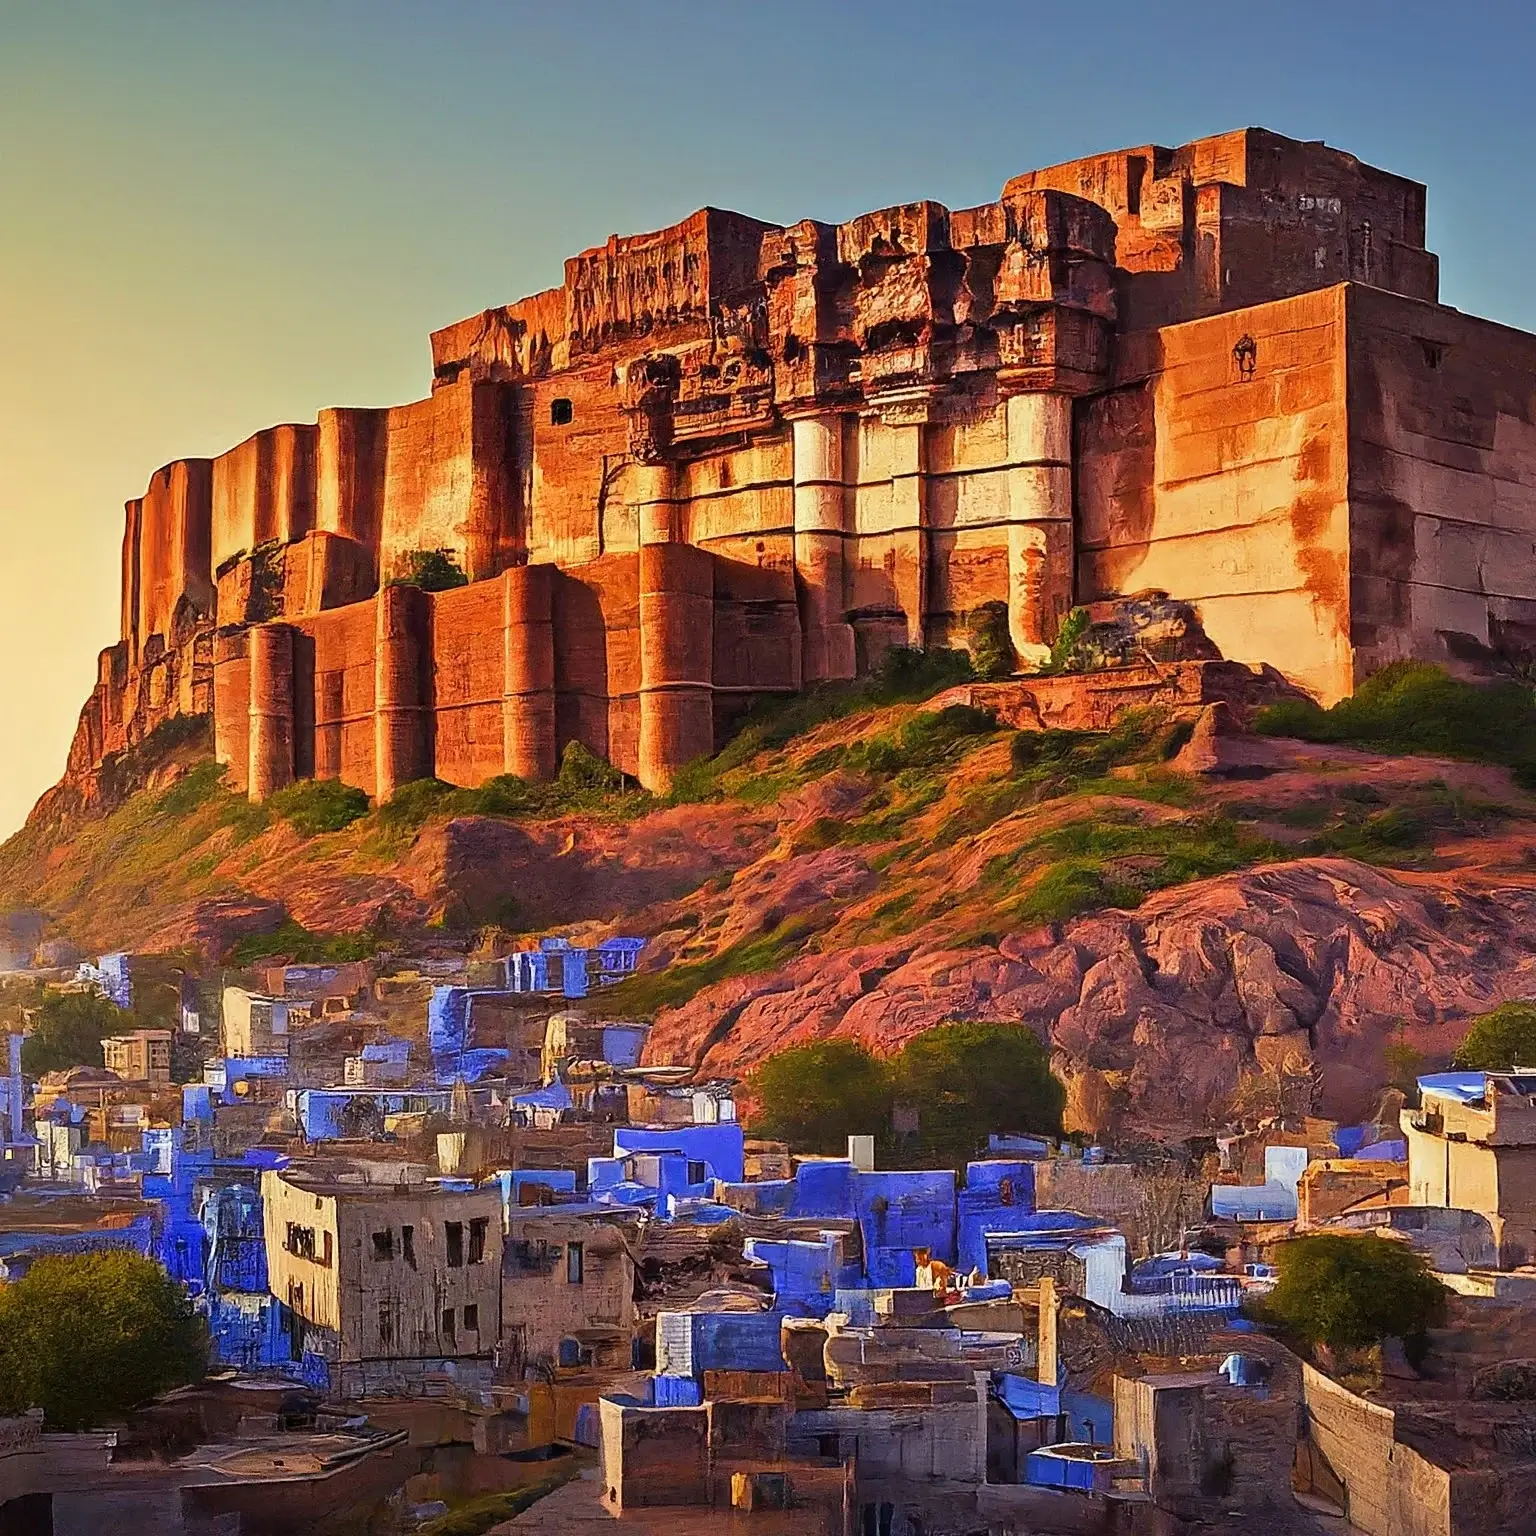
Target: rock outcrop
[{"x": 1155, "y": 1016}]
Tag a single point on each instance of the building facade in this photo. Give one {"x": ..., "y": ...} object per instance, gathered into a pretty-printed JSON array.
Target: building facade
[
  {"x": 142, "y": 1057},
  {"x": 397, "y": 1286},
  {"x": 1472, "y": 1147}
]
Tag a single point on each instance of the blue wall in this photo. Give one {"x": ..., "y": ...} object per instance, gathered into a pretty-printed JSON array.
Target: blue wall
[{"x": 720, "y": 1147}]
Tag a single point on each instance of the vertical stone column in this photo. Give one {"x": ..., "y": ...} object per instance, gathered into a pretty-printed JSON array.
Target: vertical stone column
[
  {"x": 528, "y": 651},
  {"x": 232, "y": 706},
  {"x": 909, "y": 524},
  {"x": 820, "y": 534},
  {"x": 271, "y": 738},
  {"x": 677, "y": 637},
  {"x": 656, "y": 509},
  {"x": 401, "y": 726},
  {"x": 1040, "y": 552}
]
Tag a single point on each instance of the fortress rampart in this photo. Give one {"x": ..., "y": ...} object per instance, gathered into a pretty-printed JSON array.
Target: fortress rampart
[{"x": 729, "y": 460}]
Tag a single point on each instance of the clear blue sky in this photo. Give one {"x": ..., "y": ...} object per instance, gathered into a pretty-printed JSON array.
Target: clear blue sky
[{"x": 214, "y": 216}]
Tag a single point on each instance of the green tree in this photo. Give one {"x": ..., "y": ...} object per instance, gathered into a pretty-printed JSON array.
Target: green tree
[
  {"x": 433, "y": 570},
  {"x": 1353, "y": 1292},
  {"x": 67, "y": 1031},
  {"x": 85, "y": 1337},
  {"x": 815, "y": 1096},
  {"x": 1500, "y": 1040},
  {"x": 967, "y": 1080}
]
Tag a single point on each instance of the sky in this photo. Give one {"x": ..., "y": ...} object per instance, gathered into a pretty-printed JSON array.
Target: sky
[{"x": 216, "y": 216}]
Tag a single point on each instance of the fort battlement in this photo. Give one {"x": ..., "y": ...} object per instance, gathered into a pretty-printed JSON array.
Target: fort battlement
[{"x": 729, "y": 460}]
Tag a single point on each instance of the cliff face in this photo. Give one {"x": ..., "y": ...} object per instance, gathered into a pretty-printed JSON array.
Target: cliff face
[
  {"x": 1157, "y": 1018},
  {"x": 1183, "y": 942},
  {"x": 725, "y": 460}
]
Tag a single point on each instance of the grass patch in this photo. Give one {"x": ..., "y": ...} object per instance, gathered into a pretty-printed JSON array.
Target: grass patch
[
  {"x": 478, "y": 1515},
  {"x": 928, "y": 741},
  {"x": 1412, "y": 707},
  {"x": 199, "y": 786},
  {"x": 1070, "y": 887},
  {"x": 651, "y": 991},
  {"x": 824, "y": 832},
  {"x": 313, "y": 806},
  {"x": 905, "y": 676},
  {"x": 300, "y": 946},
  {"x": 1118, "y": 861},
  {"x": 584, "y": 786}
]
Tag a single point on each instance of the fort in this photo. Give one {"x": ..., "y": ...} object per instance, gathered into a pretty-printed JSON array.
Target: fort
[{"x": 729, "y": 460}]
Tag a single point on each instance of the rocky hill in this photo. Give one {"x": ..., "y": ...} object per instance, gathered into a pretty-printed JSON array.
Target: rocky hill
[{"x": 1189, "y": 923}]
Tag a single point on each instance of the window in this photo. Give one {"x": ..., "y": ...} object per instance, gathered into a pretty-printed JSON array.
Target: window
[
  {"x": 561, "y": 412},
  {"x": 408, "y": 1245},
  {"x": 300, "y": 1241},
  {"x": 383, "y": 1246},
  {"x": 477, "y": 1239},
  {"x": 455, "y": 1231},
  {"x": 471, "y": 1319},
  {"x": 697, "y": 1171},
  {"x": 448, "y": 1333},
  {"x": 574, "y": 1264},
  {"x": 386, "y": 1323}
]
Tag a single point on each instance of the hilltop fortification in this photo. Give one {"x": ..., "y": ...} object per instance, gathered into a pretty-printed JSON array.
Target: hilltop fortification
[{"x": 728, "y": 460}]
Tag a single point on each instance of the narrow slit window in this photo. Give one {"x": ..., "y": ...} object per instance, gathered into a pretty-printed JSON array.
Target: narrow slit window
[{"x": 455, "y": 1232}]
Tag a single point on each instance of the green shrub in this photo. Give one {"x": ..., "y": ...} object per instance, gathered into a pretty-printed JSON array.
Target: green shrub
[
  {"x": 1500, "y": 1040},
  {"x": 1353, "y": 1292},
  {"x": 905, "y": 676},
  {"x": 970, "y": 1079},
  {"x": 67, "y": 1031},
  {"x": 1413, "y": 707},
  {"x": 85, "y": 1337},
  {"x": 991, "y": 646},
  {"x": 433, "y": 570},
  {"x": 414, "y": 803},
  {"x": 313, "y": 806},
  {"x": 815, "y": 1096}
]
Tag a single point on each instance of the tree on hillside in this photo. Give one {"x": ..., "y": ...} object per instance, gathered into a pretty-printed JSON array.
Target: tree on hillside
[
  {"x": 1353, "y": 1292},
  {"x": 1500, "y": 1040},
  {"x": 815, "y": 1096},
  {"x": 967, "y": 1080},
  {"x": 67, "y": 1031},
  {"x": 85, "y": 1337}
]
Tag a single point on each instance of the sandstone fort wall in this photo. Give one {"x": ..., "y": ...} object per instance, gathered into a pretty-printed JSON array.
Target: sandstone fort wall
[{"x": 727, "y": 460}]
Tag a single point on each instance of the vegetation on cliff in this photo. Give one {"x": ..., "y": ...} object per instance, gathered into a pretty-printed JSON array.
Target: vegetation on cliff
[{"x": 1411, "y": 706}]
